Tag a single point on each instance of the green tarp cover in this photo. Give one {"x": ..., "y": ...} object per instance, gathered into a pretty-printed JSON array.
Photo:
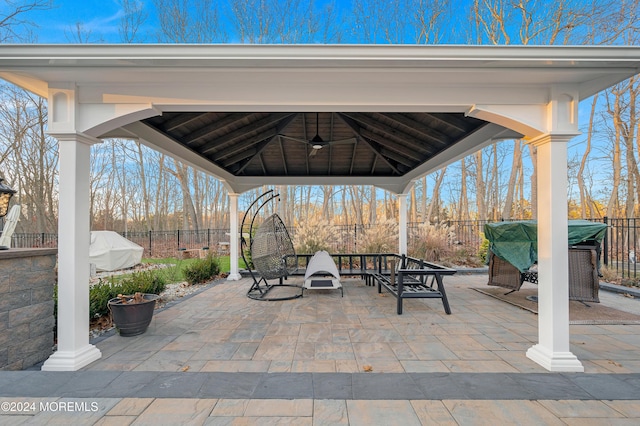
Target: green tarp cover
[{"x": 517, "y": 242}]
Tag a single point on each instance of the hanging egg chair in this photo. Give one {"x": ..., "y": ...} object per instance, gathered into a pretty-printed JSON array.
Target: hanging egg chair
[
  {"x": 272, "y": 251},
  {"x": 272, "y": 255}
]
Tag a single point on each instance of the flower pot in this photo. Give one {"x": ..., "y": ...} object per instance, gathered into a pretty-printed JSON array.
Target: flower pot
[{"x": 132, "y": 318}]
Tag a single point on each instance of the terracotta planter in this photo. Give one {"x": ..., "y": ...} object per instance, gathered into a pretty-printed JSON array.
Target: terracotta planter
[{"x": 132, "y": 318}]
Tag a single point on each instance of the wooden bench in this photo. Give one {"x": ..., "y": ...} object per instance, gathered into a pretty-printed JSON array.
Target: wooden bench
[{"x": 414, "y": 278}]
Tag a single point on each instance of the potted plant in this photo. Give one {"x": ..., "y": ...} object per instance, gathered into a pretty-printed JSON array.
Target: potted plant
[{"x": 132, "y": 314}]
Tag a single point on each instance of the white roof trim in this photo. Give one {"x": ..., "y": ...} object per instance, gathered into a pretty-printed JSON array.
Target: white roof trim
[{"x": 400, "y": 78}]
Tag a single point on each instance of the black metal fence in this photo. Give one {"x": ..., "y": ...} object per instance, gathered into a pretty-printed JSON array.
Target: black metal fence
[
  {"x": 621, "y": 245},
  {"x": 39, "y": 240},
  {"x": 166, "y": 243},
  {"x": 620, "y": 248}
]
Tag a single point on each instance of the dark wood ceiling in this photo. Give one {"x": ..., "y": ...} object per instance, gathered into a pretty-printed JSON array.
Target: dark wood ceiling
[{"x": 281, "y": 143}]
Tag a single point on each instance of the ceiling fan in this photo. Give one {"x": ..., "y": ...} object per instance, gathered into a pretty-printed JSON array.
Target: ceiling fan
[{"x": 317, "y": 143}]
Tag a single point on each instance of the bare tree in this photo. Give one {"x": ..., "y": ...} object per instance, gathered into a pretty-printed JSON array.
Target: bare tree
[
  {"x": 133, "y": 17},
  {"x": 399, "y": 21},
  {"x": 481, "y": 186},
  {"x": 282, "y": 21},
  {"x": 622, "y": 109},
  {"x": 160, "y": 203},
  {"x": 33, "y": 158},
  {"x": 188, "y": 21},
  {"x": 182, "y": 173},
  {"x": 614, "y": 111},
  {"x": 463, "y": 209},
  {"x": 80, "y": 34},
  {"x": 14, "y": 21},
  {"x": 435, "y": 197},
  {"x": 413, "y": 205},
  {"x": 516, "y": 166}
]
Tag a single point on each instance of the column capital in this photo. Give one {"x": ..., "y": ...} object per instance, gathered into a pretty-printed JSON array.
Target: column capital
[
  {"x": 77, "y": 137},
  {"x": 551, "y": 138}
]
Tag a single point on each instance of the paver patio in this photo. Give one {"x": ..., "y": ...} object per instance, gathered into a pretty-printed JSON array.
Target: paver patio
[
  {"x": 221, "y": 330},
  {"x": 222, "y": 358}
]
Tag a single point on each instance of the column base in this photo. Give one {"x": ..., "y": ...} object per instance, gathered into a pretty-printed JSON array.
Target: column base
[
  {"x": 555, "y": 361},
  {"x": 234, "y": 277},
  {"x": 72, "y": 360}
]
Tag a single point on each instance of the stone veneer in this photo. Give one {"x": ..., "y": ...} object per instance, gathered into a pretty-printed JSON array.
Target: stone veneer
[{"x": 27, "y": 279}]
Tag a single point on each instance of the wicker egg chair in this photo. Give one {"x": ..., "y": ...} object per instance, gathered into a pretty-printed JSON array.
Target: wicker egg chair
[
  {"x": 272, "y": 251},
  {"x": 272, "y": 256}
]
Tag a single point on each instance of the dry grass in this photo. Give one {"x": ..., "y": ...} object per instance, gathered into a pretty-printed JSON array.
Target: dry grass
[
  {"x": 314, "y": 235},
  {"x": 611, "y": 276},
  {"x": 381, "y": 238},
  {"x": 433, "y": 243}
]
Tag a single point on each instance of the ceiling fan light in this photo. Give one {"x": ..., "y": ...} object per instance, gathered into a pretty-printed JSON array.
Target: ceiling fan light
[{"x": 317, "y": 142}]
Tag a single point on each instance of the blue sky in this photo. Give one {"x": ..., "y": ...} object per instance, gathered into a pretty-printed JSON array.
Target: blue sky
[{"x": 99, "y": 18}]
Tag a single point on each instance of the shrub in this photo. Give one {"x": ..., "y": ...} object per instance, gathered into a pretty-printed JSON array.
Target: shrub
[
  {"x": 104, "y": 290},
  {"x": 463, "y": 256},
  {"x": 483, "y": 251},
  {"x": 314, "y": 235},
  {"x": 172, "y": 273},
  {"x": 248, "y": 258},
  {"x": 379, "y": 238},
  {"x": 99, "y": 295},
  {"x": 202, "y": 270}
]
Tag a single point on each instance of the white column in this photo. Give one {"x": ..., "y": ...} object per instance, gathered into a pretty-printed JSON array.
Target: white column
[
  {"x": 74, "y": 350},
  {"x": 402, "y": 224},
  {"x": 234, "y": 274},
  {"x": 552, "y": 351}
]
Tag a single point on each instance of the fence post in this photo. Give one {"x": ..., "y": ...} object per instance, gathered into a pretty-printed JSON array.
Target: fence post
[
  {"x": 605, "y": 242},
  {"x": 178, "y": 239},
  {"x": 150, "y": 241},
  {"x": 355, "y": 238}
]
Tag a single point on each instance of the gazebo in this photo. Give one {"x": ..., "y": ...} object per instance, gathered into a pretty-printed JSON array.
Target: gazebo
[{"x": 250, "y": 114}]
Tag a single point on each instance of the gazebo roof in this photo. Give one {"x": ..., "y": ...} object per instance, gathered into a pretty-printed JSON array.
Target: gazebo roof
[{"x": 247, "y": 113}]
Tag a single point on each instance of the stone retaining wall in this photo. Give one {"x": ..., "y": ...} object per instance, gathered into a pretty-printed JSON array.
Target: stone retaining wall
[{"x": 27, "y": 279}]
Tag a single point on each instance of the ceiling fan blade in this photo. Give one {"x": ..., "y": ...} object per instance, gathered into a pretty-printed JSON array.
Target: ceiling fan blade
[
  {"x": 313, "y": 152},
  {"x": 294, "y": 139},
  {"x": 343, "y": 141}
]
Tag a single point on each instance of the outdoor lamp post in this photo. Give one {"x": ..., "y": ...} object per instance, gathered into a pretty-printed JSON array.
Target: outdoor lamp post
[{"x": 5, "y": 196}]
